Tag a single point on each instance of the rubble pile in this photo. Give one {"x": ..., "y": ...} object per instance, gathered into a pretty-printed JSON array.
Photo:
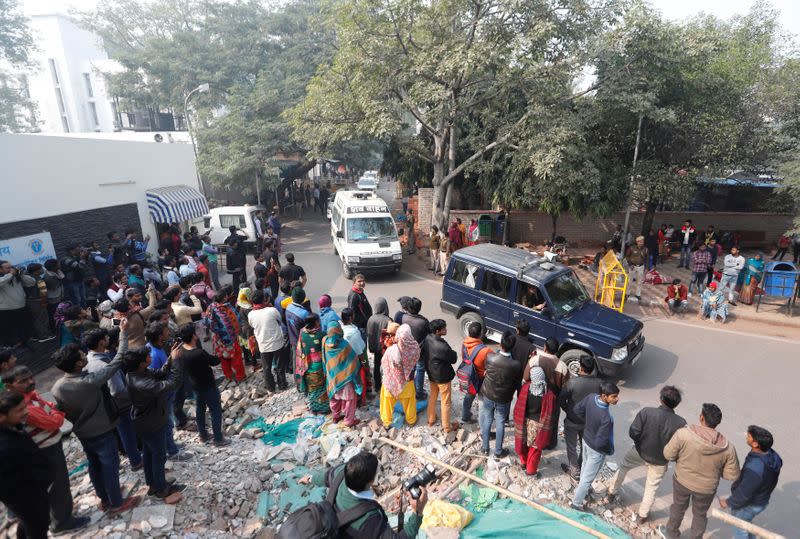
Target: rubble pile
[{"x": 248, "y": 488}]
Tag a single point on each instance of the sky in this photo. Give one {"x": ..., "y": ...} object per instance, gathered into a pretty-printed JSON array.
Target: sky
[{"x": 672, "y": 9}]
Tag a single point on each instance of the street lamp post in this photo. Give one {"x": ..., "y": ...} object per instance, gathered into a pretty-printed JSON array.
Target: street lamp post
[
  {"x": 203, "y": 88},
  {"x": 630, "y": 188}
]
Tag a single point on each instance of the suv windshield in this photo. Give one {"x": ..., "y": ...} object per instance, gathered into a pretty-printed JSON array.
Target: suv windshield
[
  {"x": 370, "y": 229},
  {"x": 566, "y": 293}
]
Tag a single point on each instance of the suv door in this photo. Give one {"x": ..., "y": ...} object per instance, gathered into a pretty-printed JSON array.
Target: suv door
[
  {"x": 527, "y": 297},
  {"x": 495, "y": 301}
]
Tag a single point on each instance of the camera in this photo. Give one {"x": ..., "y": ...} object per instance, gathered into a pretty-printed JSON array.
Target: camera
[
  {"x": 423, "y": 478},
  {"x": 116, "y": 321}
]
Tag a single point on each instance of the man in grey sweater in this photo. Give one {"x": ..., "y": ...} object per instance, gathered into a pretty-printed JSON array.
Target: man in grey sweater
[{"x": 79, "y": 395}]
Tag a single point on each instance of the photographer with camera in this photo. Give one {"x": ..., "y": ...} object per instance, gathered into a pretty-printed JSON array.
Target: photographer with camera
[
  {"x": 14, "y": 319},
  {"x": 350, "y": 504}
]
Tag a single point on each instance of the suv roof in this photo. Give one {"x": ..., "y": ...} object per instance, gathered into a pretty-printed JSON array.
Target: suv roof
[{"x": 510, "y": 259}]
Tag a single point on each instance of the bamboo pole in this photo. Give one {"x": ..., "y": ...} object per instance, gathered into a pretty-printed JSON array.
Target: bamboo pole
[
  {"x": 502, "y": 490},
  {"x": 749, "y": 527}
]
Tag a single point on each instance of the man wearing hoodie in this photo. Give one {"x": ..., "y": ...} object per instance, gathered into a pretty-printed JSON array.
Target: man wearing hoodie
[
  {"x": 419, "y": 329},
  {"x": 762, "y": 467},
  {"x": 702, "y": 456},
  {"x": 474, "y": 350},
  {"x": 378, "y": 322}
]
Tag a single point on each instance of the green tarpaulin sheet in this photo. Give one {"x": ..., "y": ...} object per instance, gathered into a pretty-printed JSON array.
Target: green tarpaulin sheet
[
  {"x": 285, "y": 432},
  {"x": 508, "y": 518}
]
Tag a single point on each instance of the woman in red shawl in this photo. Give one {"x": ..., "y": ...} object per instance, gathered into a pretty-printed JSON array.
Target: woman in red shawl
[
  {"x": 398, "y": 365},
  {"x": 223, "y": 322},
  {"x": 533, "y": 420},
  {"x": 454, "y": 234}
]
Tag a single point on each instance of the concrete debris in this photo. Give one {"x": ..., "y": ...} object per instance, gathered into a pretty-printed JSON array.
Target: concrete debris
[{"x": 233, "y": 491}]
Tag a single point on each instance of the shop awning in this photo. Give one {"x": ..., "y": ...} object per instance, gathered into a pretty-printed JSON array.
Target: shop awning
[{"x": 175, "y": 204}]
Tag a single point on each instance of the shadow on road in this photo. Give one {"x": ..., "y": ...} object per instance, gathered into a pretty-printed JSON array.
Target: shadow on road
[{"x": 654, "y": 369}]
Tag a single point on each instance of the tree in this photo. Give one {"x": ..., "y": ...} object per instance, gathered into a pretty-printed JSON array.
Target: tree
[
  {"x": 702, "y": 90},
  {"x": 408, "y": 65},
  {"x": 16, "y": 44},
  {"x": 257, "y": 61}
]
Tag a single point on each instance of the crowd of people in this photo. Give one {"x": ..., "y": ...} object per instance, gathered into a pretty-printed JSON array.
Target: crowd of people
[
  {"x": 443, "y": 243},
  {"x": 738, "y": 278},
  {"x": 133, "y": 355}
]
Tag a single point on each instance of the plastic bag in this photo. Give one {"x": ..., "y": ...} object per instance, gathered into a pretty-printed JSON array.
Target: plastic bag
[{"x": 441, "y": 514}]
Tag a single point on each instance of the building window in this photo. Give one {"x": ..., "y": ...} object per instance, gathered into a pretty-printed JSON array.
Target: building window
[
  {"x": 53, "y": 71},
  {"x": 62, "y": 109},
  {"x": 87, "y": 81},
  {"x": 93, "y": 111}
]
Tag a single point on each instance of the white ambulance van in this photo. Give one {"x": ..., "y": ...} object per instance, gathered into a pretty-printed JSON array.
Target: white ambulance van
[{"x": 364, "y": 235}]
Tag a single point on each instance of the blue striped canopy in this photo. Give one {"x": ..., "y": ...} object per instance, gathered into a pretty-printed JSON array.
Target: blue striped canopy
[{"x": 175, "y": 204}]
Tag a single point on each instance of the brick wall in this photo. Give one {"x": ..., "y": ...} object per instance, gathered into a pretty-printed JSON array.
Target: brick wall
[
  {"x": 537, "y": 227},
  {"x": 79, "y": 227}
]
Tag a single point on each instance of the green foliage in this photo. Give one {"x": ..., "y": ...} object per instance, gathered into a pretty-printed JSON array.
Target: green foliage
[
  {"x": 16, "y": 44},
  {"x": 448, "y": 67},
  {"x": 257, "y": 60}
]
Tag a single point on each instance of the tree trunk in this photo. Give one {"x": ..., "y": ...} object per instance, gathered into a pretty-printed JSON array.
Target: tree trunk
[
  {"x": 554, "y": 218},
  {"x": 649, "y": 216}
]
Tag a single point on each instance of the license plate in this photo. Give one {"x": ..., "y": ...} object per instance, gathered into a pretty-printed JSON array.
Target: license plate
[{"x": 636, "y": 358}]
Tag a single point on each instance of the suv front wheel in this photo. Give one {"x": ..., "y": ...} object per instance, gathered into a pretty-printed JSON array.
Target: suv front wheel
[
  {"x": 572, "y": 359},
  {"x": 467, "y": 319}
]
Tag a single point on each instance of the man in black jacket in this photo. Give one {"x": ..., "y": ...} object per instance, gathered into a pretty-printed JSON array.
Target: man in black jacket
[
  {"x": 439, "y": 360},
  {"x": 236, "y": 261},
  {"x": 375, "y": 326},
  {"x": 357, "y": 300},
  {"x": 650, "y": 431},
  {"x": 571, "y": 394},
  {"x": 419, "y": 329},
  {"x": 148, "y": 391},
  {"x": 24, "y": 468},
  {"x": 503, "y": 378}
]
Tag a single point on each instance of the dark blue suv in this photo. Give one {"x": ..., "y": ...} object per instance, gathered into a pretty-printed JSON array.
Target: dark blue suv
[{"x": 497, "y": 286}]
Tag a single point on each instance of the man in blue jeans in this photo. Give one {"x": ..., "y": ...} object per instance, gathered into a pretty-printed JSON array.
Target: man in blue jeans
[
  {"x": 503, "y": 378},
  {"x": 196, "y": 364},
  {"x": 157, "y": 333},
  {"x": 79, "y": 395},
  {"x": 148, "y": 390},
  {"x": 598, "y": 438},
  {"x": 98, "y": 342},
  {"x": 751, "y": 492}
]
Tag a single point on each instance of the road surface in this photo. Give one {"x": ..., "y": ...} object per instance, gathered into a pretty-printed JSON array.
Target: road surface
[{"x": 752, "y": 378}]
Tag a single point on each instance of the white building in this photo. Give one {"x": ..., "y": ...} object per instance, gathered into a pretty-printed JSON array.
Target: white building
[
  {"x": 67, "y": 84},
  {"x": 79, "y": 187}
]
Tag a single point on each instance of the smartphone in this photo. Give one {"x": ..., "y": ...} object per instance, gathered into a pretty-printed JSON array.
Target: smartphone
[{"x": 116, "y": 321}]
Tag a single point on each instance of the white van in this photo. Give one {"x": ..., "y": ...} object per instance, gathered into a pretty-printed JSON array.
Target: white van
[
  {"x": 367, "y": 183},
  {"x": 218, "y": 221},
  {"x": 364, "y": 235}
]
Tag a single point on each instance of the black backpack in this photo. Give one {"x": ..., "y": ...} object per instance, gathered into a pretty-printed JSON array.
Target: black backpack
[{"x": 322, "y": 520}]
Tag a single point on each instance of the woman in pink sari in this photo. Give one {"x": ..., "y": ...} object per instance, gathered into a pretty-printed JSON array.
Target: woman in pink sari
[{"x": 398, "y": 365}]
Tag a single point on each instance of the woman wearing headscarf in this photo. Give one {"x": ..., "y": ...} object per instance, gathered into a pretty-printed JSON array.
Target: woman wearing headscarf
[
  {"x": 309, "y": 369},
  {"x": 341, "y": 375},
  {"x": 533, "y": 420},
  {"x": 326, "y": 313},
  {"x": 752, "y": 275},
  {"x": 454, "y": 234},
  {"x": 713, "y": 303},
  {"x": 247, "y": 340},
  {"x": 223, "y": 322},
  {"x": 473, "y": 232},
  {"x": 399, "y": 363}
]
